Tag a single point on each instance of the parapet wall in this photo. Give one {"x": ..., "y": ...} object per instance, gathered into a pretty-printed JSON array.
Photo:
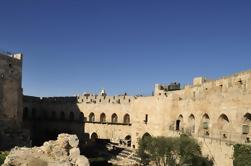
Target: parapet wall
[
  {"x": 201, "y": 85},
  {"x": 97, "y": 99}
]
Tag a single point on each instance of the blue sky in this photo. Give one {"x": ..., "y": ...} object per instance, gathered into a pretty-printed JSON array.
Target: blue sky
[{"x": 75, "y": 46}]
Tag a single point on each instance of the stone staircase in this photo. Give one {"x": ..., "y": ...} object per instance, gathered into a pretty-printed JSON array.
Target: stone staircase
[{"x": 127, "y": 157}]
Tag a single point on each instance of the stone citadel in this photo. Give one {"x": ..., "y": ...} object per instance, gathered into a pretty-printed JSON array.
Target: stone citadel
[{"x": 215, "y": 112}]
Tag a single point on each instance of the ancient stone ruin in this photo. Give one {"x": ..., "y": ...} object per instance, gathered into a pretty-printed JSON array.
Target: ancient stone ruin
[{"x": 64, "y": 152}]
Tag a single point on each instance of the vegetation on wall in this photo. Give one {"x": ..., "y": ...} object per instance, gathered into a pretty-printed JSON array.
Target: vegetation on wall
[
  {"x": 242, "y": 155},
  {"x": 170, "y": 151},
  {"x": 2, "y": 157}
]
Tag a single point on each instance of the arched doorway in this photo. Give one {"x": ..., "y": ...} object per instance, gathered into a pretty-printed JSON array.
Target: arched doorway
[
  {"x": 94, "y": 137},
  {"x": 146, "y": 136},
  {"x": 128, "y": 141},
  {"x": 179, "y": 122}
]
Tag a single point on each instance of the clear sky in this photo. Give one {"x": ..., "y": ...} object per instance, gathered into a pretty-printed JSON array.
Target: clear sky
[{"x": 75, "y": 46}]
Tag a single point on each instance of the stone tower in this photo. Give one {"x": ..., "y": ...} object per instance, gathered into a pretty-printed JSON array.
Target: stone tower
[{"x": 10, "y": 99}]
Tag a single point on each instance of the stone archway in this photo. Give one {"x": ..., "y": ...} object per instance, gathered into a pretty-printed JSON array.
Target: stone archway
[
  {"x": 128, "y": 140},
  {"x": 204, "y": 126},
  {"x": 191, "y": 124},
  {"x": 114, "y": 118},
  {"x": 92, "y": 117},
  {"x": 102, "y": 118},
  {"x": 126, "y": 119},
  {"x": 179, "y": 123},
  {"x": 146, "y": 136},
  {"x": 246, "y": 127},
  {"x": 94, "y": 137},
  {"x": 223, "y": 125}
]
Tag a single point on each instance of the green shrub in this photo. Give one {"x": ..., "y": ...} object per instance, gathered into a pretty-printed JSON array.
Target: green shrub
[
  {"x": 242, "y": 155},
  {"x": 2, "y": 157},
  {"x": 171, "y": 151}
]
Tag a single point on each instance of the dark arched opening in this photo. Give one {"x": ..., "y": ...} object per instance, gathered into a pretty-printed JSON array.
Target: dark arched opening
[
  {"x": 94, "y": 137},
  {"x": 179, "y": 123},
  {"x": 127, "y": 119},
  {"x": 146, "y": 136},
  {"x": 92, "y": 117},
  {"x": 128, "y": 141},
  {"x": 114, "y": 118},
  {"x": 102, "y": 118}
]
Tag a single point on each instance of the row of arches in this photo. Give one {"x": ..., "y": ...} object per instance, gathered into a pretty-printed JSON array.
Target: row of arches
[
  {"x": 114, "y": 118},
  {"x": 222, "y": 124},
  {"x": 51, "y": 115}
]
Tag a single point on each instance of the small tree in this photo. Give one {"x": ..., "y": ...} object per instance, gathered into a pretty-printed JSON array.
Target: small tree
[
  {"x": 242, "y": 155},
  {"x": 170, "y": 151}
]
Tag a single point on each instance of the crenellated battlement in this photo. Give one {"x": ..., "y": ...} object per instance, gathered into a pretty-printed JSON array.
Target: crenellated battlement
[
  {"x": 99, "y": 99},
  {"x": 65, "y": 99},
  {"x": 241, "y": 81}
]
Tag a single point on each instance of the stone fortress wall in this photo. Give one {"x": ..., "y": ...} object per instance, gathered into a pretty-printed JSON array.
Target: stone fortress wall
[
  {"x": 215, "y": 112},
  {"x": 11, "y": 101},
  {"x": 49, "y": 116}
]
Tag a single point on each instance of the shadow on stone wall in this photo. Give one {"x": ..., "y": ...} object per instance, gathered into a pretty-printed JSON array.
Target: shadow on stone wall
[{"x": 48, "y": 117}]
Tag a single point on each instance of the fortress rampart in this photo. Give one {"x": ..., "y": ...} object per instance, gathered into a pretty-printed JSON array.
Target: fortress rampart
[{"x": 215, "y": 112}]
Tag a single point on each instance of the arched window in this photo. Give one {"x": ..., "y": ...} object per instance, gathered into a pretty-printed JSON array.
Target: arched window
[
  {"x": 92, "y": 117},
  {"x": 25, "y": 113},
  {"x": 223, "y": 121},
  {"x": 62, "y": 115},
  {"x": 81, "y": 117},
  {"x": 114, "y": 118},
  {"x": 246, "y": 125},
  {"x": 223, "y": 125},
  {"x": 127, "y": 119},
  {"x": 247, "y": 117},
  {"x": 71, "y": 118},
  {"x": 205, "y": 121},
  {"x": 102, "y": 118},
  {"x": 191, "y": 122}
]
